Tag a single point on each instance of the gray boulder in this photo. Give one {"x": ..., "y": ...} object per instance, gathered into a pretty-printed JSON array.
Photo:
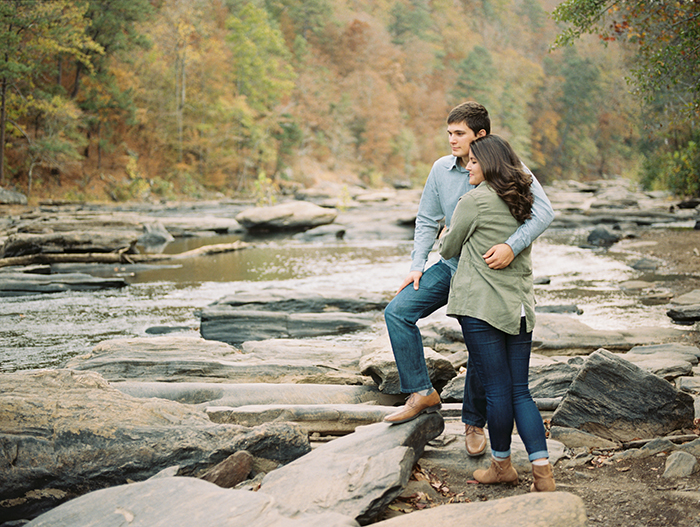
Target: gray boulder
[
  {"x": 178, "y": 502},
  {"x": 378, "y": 362},
  {"x": 10, "y": 197},
  {"x": 556, "y": 334},
  {"x": 295, "y": 300},
  {"x": 602, "y": 237},
  {"x": 335, "y": 419},
  {"x": 680, "y": 465},
  {"x": 357, "y": 475},
  {"x": 295, "y": 215},
  {"x": 235, "y": 326},
  {"x": 15, "y": 284},
  {"x": 208, "y": 394},
  {"x": 685, "y": 309},
  {"x": 287, "y": 313},
  {"x": 617, "y": 400},
  {"x": 68, "y": 431},
  {"x": 553, "y": 509},
  {"x": 21, "y": 244},
  {"x": 192, "y": 359}
]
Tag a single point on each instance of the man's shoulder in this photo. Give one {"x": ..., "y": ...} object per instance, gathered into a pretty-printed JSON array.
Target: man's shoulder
[{"x": 445, "y": 164}]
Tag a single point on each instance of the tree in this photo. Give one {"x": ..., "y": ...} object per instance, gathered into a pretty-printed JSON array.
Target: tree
[
  {"x": 33, "y": 37},
  {"x": 665, "y": 34},
  {"x": 114, "y": 25}
]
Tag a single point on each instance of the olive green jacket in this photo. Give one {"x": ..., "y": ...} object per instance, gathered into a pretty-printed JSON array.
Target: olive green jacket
[{"x": 480, "y": 221}]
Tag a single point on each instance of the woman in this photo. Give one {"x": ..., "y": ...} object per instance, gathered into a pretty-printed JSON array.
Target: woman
[{"x": 496, "y": 307}]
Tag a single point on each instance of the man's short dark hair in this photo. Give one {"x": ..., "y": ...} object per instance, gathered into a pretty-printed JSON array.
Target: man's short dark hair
[{"x": 473, "y": 114}]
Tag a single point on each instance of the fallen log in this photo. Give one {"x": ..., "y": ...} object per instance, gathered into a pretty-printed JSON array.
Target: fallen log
[{"x": 119, "y": 257}]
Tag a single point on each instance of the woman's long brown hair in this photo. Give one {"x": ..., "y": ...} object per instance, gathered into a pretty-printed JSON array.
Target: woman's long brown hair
[{"x": 504, "y": 172}]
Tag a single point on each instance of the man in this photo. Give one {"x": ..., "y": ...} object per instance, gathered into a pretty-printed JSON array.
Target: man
[{"x": 447, "y": 181}]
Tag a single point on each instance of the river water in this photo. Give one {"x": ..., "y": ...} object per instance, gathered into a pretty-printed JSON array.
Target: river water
[{"x": 44, "y": 330}]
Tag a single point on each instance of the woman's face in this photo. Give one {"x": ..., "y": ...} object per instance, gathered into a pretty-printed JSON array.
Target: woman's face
[{"x": 476, "y": 176}]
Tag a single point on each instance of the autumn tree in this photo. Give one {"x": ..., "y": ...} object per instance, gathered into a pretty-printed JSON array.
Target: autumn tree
[
  {"x": 666, "y": 39},
  {"x": 114, "y": 25},
  {"x": 34, "y": 36},
  {"x": 666, "y": 36}
]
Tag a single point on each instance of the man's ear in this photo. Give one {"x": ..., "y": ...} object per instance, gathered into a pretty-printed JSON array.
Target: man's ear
[{"x": 481, "y": 133}]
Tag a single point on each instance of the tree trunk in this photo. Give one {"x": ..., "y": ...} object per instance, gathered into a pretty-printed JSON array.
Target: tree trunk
[
  {"x": 76, "y": 86},
  {"x": 3, "y": 118}
]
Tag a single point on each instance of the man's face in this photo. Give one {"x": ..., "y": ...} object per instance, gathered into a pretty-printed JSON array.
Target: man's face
[{"x": 460, "y": 136}]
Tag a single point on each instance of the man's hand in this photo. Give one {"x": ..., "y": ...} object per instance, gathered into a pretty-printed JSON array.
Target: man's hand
[
  {"x": 499, "y": 256},
  {"x": 413, "y": 277}
]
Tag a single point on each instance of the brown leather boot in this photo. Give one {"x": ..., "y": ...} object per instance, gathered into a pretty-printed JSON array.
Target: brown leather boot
[
  {"x": 500, "y": 471},
  {"x": 474, "y": 440},
  {"x": 544, "y": 479},
  {"x": 415, "y": 405}
]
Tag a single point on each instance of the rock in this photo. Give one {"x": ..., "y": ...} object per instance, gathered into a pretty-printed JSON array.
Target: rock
[
  {"x": 357, "y": 475},
  {"x": 551, "y": 380},
  {"x": 14, "y": 284},
  {"x": 294, "y": 300},
  {"x": 646, "y": 264},
  {"x": 10, "y": 197},
  {"x": 193, "y": 359},
  {"x": 680, "y": 465},
  {"x": 555, "y": 509},
  {"x": 331, "y": 232},
  {"x": 155, "y": 235},
  {"x": 72, "y": 432},
  {"x": 614, "y": 399},
  {"x": 325, "y": 419},
  {"x": 295, "y": 215},
  {"x": 573, "y": 438},
  {"x": 564, "y": 335},
  {"x": 237, "y": 395},
  {"x": 665, "y": 360},
  {"x": 21, "y": 244},
  {"x": 178, "y": 502},
  {"x": 378, "y": 362},
  {"x": 684, "y": 315},
  {"x": 234, "y": 326},
  {"x": 285, "y": 313},
  {"x": 688, "y": 299},
  {"x": 231, "y": 471},
  {"x": 602, "y": 237},
  {"x": 570, "y": 308},
  {"x": 692, "y": 447}
]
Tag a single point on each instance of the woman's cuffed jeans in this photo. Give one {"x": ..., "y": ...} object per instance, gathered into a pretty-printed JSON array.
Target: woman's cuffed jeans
[{"x": 502, "y": 362}]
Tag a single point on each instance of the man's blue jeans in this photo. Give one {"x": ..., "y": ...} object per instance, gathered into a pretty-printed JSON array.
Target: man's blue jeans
[
  {"x": 502, "y": 362},
  {"x": 401, "y": 315}
]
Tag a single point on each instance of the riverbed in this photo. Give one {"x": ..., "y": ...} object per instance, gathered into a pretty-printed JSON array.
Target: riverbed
[{"x": 45, "y": 330}]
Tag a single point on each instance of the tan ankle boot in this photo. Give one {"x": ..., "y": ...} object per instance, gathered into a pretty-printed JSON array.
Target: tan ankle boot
[
  {"x": 500, "y": 471},
  {"x": 544, "y": 478}
]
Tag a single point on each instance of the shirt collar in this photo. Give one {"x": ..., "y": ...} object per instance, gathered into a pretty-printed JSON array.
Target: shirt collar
[{"x": 456, "y": 165}]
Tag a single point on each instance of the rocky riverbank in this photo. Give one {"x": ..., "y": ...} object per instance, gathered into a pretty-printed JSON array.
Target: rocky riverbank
[{"x": 263, "y": 411}]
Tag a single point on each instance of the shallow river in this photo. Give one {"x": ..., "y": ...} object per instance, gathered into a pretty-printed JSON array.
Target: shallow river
[{"x": 44, "y": 330}]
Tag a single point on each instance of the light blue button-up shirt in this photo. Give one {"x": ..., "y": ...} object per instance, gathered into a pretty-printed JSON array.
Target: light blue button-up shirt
[{"x": 446, "y": 183}]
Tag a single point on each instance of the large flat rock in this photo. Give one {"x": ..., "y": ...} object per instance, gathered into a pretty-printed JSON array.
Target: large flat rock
[
  {"x": 357, "y": 475},
  {"x": 177, "y": 502},
  {"x": 64, "y": 432},
  {"x": 193, "y": 359},
  {"x": 551, "y": 509}
]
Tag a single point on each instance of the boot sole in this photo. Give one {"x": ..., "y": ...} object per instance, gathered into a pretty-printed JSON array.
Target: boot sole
[{"x": 428, "y": 410}]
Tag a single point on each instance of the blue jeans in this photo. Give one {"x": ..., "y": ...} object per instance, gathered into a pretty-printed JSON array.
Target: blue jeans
[
  {"x": 502, "y": 362},
  {"x": 401, "y": 315}
]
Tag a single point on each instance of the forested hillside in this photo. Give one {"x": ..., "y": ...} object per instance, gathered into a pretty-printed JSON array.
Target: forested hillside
[{"x": 134, "y": 99}]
